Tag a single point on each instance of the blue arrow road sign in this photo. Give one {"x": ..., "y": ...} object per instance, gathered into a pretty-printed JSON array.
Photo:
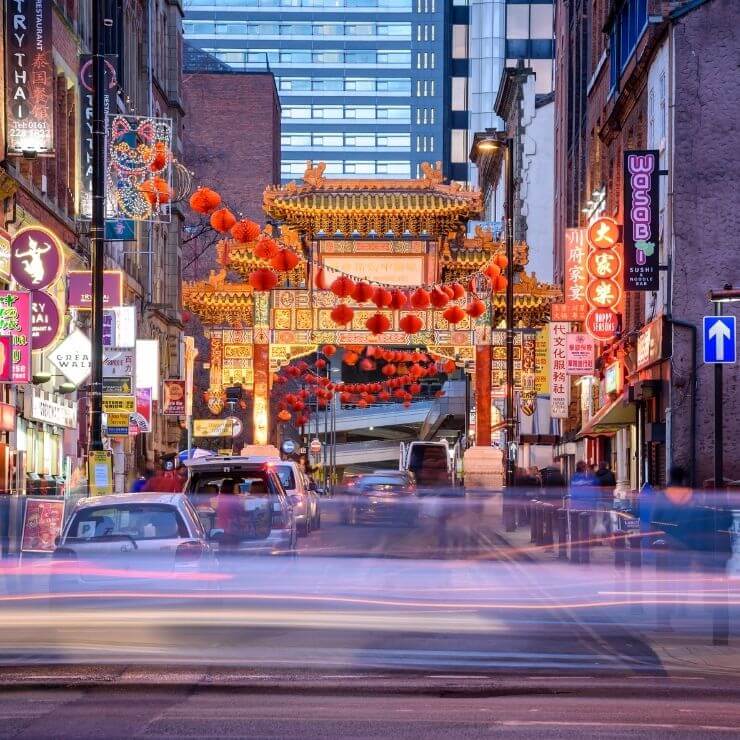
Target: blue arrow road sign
[{"x": 720, "y": 340}]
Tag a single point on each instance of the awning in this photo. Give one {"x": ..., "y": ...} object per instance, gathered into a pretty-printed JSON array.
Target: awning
[{"x": 610, "y": 418}]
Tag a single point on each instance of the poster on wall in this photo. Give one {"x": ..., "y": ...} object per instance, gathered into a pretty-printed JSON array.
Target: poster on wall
[
  {"x": 559, "y": 381},
  {"x": 29, "y": 77},
  {"x": 641, "y": 220},
  {"x": 42, "y": 524},
  {"x": 580, "y": 351},
  {"x": 173, "y": 397},
  {"x": 15, "y": 323},
  {"x": 575, "y": 278}
]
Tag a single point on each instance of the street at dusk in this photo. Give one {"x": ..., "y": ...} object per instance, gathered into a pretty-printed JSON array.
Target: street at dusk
[{"x": 368, "y": 368}]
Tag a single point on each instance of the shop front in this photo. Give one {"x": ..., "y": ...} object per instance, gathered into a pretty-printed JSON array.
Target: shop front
[{"x": 43, "y": 454}]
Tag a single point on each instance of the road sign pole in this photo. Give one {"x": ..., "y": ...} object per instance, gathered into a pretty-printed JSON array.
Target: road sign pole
[{"x": 718, "y": 433}]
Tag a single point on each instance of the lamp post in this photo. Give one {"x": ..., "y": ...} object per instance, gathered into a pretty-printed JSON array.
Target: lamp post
[
  {"x": 497, "y": 141},
  {"x": 97, "y": 227}
]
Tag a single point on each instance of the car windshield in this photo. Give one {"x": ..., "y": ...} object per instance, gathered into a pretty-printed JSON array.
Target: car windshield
[
  {"x": 367, "y": 481},
  {"x": 134, "y": 521},
  {"x": 212, "y": 483}
]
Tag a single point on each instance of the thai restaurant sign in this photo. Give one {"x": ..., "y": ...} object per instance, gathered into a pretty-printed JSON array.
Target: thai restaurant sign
[
  {"x": 29, "y": 77},
  {"x": 79, "y": 289},
  {"x": 579, "y": 354},
  {"x": 641, "y": 220},
  {"x": 559, "y": 381}
]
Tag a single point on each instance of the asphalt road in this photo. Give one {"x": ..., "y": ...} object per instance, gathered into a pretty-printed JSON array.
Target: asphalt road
[{"x": 192, "y": 711}]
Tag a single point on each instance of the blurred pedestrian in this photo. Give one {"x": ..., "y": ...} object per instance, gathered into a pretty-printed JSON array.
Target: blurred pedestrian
[
  {"x": 606, "y": 483},
  {"x": 140, "y": 483},
  {"x": 168, "y": 480}
]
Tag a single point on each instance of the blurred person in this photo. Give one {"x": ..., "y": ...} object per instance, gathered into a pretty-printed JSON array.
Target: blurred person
[
  {"x": 167, "y": 481},
  {"x": 606, "y": 482},
  {"x": 140, "y": 483},
  {"x": 604, "y": 476},
  {"x": 553, "y": 482}
]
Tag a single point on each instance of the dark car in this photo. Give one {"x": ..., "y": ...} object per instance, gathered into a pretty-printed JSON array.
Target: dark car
[{"x": 383, "y": 498}]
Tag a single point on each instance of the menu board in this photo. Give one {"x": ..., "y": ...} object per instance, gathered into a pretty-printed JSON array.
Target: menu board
[{"x": 42, "y": 524}]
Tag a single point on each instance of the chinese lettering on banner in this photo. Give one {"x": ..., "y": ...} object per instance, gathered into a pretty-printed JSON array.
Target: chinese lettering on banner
[
  {"x": 498, "y": 363},
  {"x": 579, "y": 354},
  {"x": 641, "y": 220},
  {"x": 542, "y": 361},
  {"x": 15, "y": 322},
  {"x": 29, "y": 77},
  {"x": 576, "y": 274},
  {"x": 559, "y": 382}
]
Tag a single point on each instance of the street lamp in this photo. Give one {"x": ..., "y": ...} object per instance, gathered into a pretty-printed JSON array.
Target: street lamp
[{"x": 491, "y": 142}]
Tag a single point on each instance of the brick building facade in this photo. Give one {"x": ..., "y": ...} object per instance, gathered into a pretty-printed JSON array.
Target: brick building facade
[
  {"x": 646, "y": 86},
  {"x": 234, "y": 148}
]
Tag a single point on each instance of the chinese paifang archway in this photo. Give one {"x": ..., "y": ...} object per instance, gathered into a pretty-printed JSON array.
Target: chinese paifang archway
[{"x": 391, "y": 233}]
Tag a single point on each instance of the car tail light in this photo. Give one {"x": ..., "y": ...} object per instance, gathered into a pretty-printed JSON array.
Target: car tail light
[{"x": 189, "y": 552}]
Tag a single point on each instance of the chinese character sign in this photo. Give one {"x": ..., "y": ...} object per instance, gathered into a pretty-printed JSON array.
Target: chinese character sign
[
  {"x": 576, "y": 275},
  {"x": 29, "y": 77},
  {"x": 139, "y": 168},
  {"x": 603, "y": 265},
  {"x": 579, "y": 353},
  {"x": 15, "y": 322},
  {"x": 641, "y": 221},
  {"x": 559, "y": 381},
  {"x": 542, "y": 361}
]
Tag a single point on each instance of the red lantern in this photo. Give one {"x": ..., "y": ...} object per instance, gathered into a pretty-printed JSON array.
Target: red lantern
[
  {"x": 156, "y": 191},
  {"x": 284, "y": 261},
  {"x": 222, "y": 220},
  {"x": 320, "y": 279},
  {"x": 262, "y": 280},
  {"x": 245, "y": 230},
  {"x": 389, "y": 370},
  {"x": 284, "y": 415},
  {"x": 367, "y": 364},
  {"x": 454, "y": 314},
  {"x": 161, "y": 157},
  {"x": 345, "y": 397},
  {"x": 384, "y": 396},
  {"x": 382, "y": 298},
  {"x": 342, "y": 314},
  {"x": 415, "y": 388},
  {"x": 438, "y": 297},
  {"x": 399, "y": 300},
  {"x": 362, "y": 404},
  {"x": 475, "y": 308},
  {"x": 499, "y": 284},
  {"x": 362, "y": 292},
  {"x": 449, "y": 367},
  {"x": 205, "y": 200},
  {"x": 342, "y": 287},
  {"x": 266, "y": 248},
  {"x": 416, "y": 371},
  {"x": 350, "y": 357},
  {"x": 410, "y": 324},
  {"x": 420, "y": 298},
  {"x": 321, "y": 363},
  {"x": 450, "y": 292},
  {"x": 329, "y": 350},
  {"x": 299, "y": 405},
  {"x": 377, "y": 324},
  {"x": 501, "y": 260},
  {"x": 492, "y": 270},
  {"x": 399, "y": 393},
  {"x": 472, "y": 287},
  {"x": 301, "y": 421},
  {"x": 457, "y": 291}
]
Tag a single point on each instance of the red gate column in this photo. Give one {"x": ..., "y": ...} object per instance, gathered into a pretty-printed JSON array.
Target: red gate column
[
  {"x": 261, "y": 395},
  {"x": 483, "y": 464},
  {"x": 483, "y": 395}
]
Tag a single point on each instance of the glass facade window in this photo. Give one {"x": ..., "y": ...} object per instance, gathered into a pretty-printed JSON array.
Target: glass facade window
[
  {"x": 400, "y": 113},
  {"x": 358, "y": 4},
  {"x": 307, "y": 140},
  {"x": 364, "y": 168},
  {"x": 459, "y": 41},
  {"x": 266, "y": 28},
  {"x": 459, "y": 145},
  {"x": 628, "y": 27},
  {"x": 459, "y": 93}
]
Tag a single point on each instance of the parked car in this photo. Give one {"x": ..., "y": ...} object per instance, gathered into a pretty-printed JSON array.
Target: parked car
[
  {"x": 106, "y": 537},
  {"x": 242, "y": 502},
  {"x": 382, "y": 498},
  {"x": 305, "y": 503}
]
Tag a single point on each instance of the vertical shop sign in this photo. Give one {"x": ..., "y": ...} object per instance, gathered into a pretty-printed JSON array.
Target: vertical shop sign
[
  {"x": 641, "y": 220},
  {"x": 15, "y": 322},
  {"x": 542, "y": 361},
  {"x": 29, "y": 77},
  {"x": 576, "y": 274},
  {"x": 604, "y": 289},
  {"x": 559, "y": 382},
  {"x": 86, "y": 116}
]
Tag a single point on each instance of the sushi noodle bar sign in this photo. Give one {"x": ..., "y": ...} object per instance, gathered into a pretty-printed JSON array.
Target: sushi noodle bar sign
[{"x": 29, "y": 77}]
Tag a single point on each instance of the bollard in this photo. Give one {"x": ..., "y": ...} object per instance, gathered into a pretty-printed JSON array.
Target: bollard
[
  {"x": 562, "y": 519},
  {"x": 575, "y": 553},
  {"x": 532, "y": 523},
  {"x": 620, "y": 555},
  {"x": 584, "y": 535},
  {"x": 548, "y": 524}
]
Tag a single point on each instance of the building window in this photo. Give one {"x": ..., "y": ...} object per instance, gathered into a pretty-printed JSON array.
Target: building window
[
  {"x": 459, "y": 93},
  {"x": 627, "y": 30},
  {"x": 459, "y": 41},
  {"x": 459, "y": 145}
]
